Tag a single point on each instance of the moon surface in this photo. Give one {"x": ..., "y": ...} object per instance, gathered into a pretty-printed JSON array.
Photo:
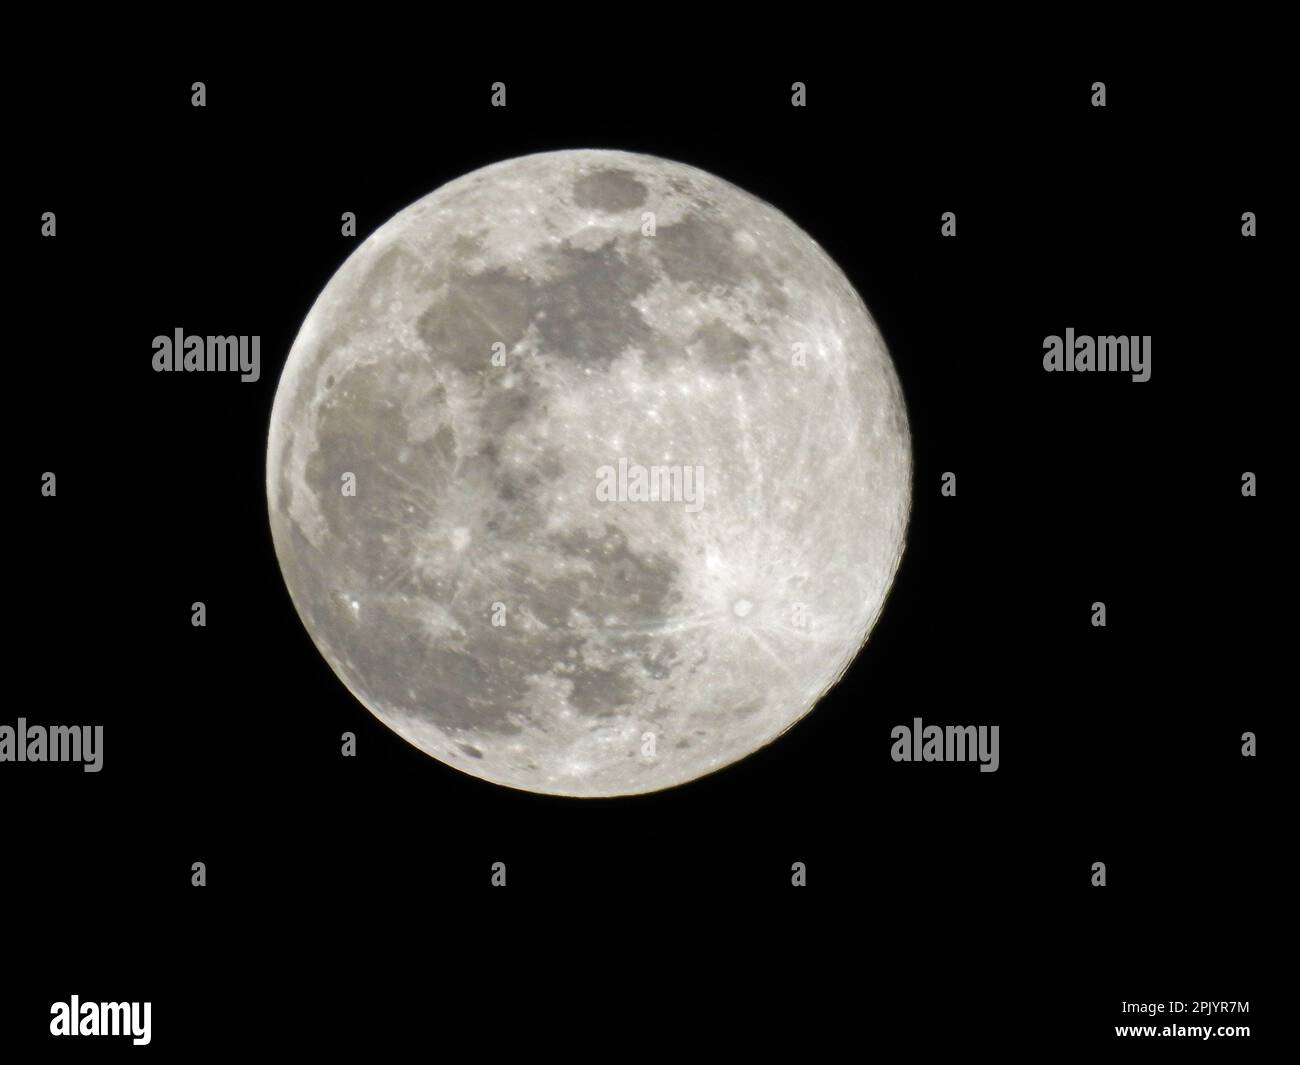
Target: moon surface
[{"x": 589, "y": 473}]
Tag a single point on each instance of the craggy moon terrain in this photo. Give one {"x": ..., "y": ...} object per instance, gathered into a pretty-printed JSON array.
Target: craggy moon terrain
[{"x": 461, "y": 442}]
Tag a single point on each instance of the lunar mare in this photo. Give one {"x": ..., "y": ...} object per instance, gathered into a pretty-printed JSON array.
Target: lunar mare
[{"x": 476, "y": 363}]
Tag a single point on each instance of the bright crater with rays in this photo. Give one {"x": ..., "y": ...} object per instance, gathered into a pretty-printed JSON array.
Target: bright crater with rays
[{"x": 473, "y": 367}]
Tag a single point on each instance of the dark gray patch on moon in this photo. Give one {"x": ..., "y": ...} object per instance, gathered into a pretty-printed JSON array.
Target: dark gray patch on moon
[
  {"x": 609, "y": 190},
  {"x": 700, "y": 250},
  {"x": 720, "y": 346},
  {"x": 589, "y": 312},
  {"x": 477, "y": 311}
]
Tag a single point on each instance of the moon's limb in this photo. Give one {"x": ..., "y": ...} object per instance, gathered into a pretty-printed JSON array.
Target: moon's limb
[{"x": 476, "y": 594}]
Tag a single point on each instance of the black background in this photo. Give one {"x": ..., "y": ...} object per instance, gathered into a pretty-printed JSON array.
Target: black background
[{"x": 942, "y": 903}]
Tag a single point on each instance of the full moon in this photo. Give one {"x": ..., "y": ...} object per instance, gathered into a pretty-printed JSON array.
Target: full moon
[{"x": 589, "y": 473}]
